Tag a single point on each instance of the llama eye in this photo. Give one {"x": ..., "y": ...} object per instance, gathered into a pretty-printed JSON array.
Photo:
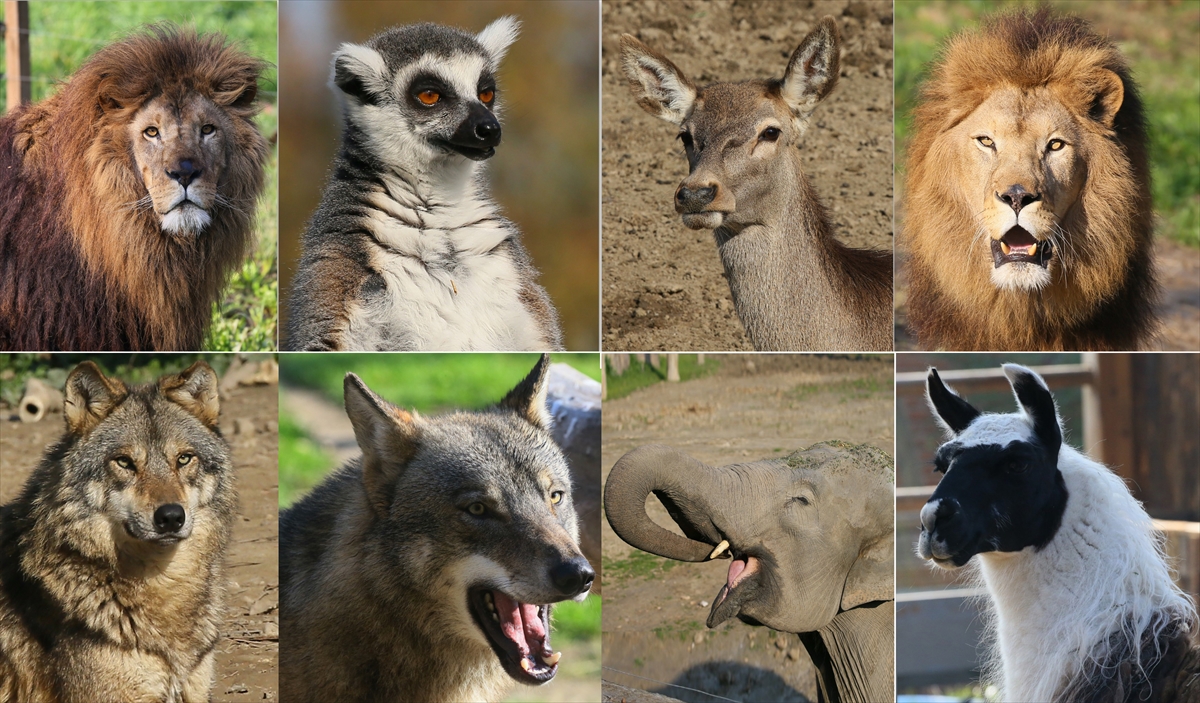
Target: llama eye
[
  {"x": 1055, "y": 145},
  {"x": 485, "y": 96},
  {"x": 770, "y": 134},
  {"x": 429, "y": 97},
  {"x": 477, "y": 509},
  {"x": 207, "y": 129},
  {"x": 150, "y": 132},
  {"x": 986, "y": 141},
  {"x": 556, "y": 497}
]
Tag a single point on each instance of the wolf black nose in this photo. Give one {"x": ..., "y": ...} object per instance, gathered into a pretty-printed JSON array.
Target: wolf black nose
[
  {"x": 169, "y": 517},
  {"x": 1016, "y": 197},
  {"x": 573, "y": 577},
  {"x": 185, "y": 173}
]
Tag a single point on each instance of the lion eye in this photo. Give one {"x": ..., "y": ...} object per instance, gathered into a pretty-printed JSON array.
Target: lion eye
[
  {"x": 477, "y": 509},
  {"x": 207, "y": 129},
  {"x": 184, "y": 459},
  {"x": 1055, "y": 145},
  {"x": 986, "y": 141},
  {"x": 125, "y": 463},
  {"x": 150, "y": 132},
  {"x": 556, "y": 497},
  {"x": 429, "y": 97},
  {"x": 486, "y": 96}
]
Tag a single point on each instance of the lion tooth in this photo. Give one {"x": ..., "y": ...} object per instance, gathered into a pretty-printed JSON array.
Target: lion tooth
[
  {"x": 1033, "y": 249},
  {"x": 526, "y": 665},
  {"x": 553, "y": 658},
  {"x": 1005, "y": 248},
  {"x": 719, "y": 548}
]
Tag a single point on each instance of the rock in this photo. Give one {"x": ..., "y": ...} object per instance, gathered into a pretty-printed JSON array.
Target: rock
[
  {"x": 780, "y": 643},
  {"x": 237, "y": 688},
  {"x": 243, "y": 426},
  {"x": 698, "y": 638},
  {"x": 271, "y": 427},
  {"x": 703, "y": 604}
]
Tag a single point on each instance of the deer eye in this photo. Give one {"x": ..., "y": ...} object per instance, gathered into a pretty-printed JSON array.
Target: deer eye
[
  {"x": 770, "y": 134},
  {"x": 150, "y": 132},
  {"x": 986, "y": 141},
  {"x": 686, "y": 139},
  {"x": 1055, "y": 145},
  {"x": 429, "y": 97}
]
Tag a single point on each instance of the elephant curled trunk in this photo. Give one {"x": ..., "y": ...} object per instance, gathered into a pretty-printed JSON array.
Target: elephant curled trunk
[{"x": 673, "y": 477}]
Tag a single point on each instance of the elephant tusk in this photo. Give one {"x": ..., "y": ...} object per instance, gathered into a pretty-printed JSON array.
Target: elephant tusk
[{"x": 719, "y": 548}]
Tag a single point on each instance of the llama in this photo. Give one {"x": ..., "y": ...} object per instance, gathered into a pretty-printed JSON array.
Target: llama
[{"x": 1083, "y": 605}]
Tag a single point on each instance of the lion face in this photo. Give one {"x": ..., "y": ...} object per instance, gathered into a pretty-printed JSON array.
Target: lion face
[
  {"x": 180, "y": 149},
  {"x": 1022, "y": 168}
]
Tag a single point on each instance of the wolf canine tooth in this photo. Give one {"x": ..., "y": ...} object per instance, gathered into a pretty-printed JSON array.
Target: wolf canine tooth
[
  {"x": 719, "y": 549},
  {"x": 553, "y": 658},
  {"x": 526, "y": 665}
]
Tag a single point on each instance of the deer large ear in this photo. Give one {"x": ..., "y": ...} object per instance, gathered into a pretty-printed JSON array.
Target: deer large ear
[
  {"x": 528, "y": 399},
  {"x": 89, "y": 397},
  {"x": 387, "y": 435},
  {"x": 812, "y": 71},
  {"x": 659, "y": 86},
  {"x": 950, "y": 410},
  {"x": 194, "y": 390},
  {"x": 1033, "y": 395}
]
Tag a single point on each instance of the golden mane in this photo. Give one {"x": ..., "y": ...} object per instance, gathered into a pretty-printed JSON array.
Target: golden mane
[
  {"x": 132, "y": 287},
  {"x": 1105, "y": 299}
]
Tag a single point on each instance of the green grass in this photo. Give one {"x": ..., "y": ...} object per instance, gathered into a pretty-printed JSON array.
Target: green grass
[
  {"x": 1159, "y": 41},
  {"x": 638, "y": 564},
  {"x": 305, "y": 461},
  {"x": 643, "y": 375},
  {"x": 682, "y": 630},
  {"x": 849, "y": 389},
  {"x": 131, "y": 368},
  {"x": 577, "y": 621}
]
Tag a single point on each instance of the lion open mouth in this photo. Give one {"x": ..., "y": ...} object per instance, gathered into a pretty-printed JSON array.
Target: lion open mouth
[
  {"x": 518, "y": 632},
  {"x": 1019, "y": 246}
]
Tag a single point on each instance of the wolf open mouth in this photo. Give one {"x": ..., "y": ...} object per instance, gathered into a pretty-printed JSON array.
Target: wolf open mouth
[
  {"x": 741, "y": 584},
  {"x": 1019, "y": 246},
  {"x": 518, "y": 632}
]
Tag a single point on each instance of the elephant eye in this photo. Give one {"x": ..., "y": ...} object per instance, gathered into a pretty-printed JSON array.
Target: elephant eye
[
  {"x": 556, "y": 497},
  {"x": 802, "y": 500}
]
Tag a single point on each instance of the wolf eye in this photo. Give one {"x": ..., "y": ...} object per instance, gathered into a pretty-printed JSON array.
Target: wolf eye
[
  {"x": 207, "y": 129},
  {"x": 125, "y": 463},
  {"x": 486, "y": 96},
  {"x": 429, "y": 97},
  {"x": 1055, "y": 145},
  {"x": 477, "y": 509},
  {"x": 556, "y": 497},
  {"x": 986, "y": 141},
  {"x": 770, "y": 134},
  {"x": 184, "y": 459},
  {"x": 150, "y": 132}
]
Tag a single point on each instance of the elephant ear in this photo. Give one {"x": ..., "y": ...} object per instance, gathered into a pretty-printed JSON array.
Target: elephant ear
[{"x": 872, "y": 576}]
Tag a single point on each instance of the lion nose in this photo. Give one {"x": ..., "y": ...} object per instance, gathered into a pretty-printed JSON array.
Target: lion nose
[
  {"x": 185, "y": 173},
  {"x": 1016, "y": 197},
  {"x": 169, "y": 518}
]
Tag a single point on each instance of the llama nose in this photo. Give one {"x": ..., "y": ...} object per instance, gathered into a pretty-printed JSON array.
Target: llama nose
[
  {"x": 184, "y": 173},
  {"x": 694, "y": 199},
  {"x": 169, "y": 518},
  {"x": 570, "y": 578},
  {"x": 1016, "y": 197},
  {"x": 935, "y": 510}
]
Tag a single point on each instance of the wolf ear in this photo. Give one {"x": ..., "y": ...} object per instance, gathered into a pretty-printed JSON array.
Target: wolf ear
[
  {"x": 1033, "y": 395},
  {"x": 872, "y": 575},
  {"x": 498, "y": 36},
  {"x": 387, "y": 435},
  {"x": 812, "y": 71},
  {"x": 89, "y": 396},
  {"x": 659, "y": 86},
  {"x": 528, "y": 399},
  {"x": 360, "y": 72},
  {"x": 949, "y": 409},
  {"x": 194, "y": 390}
]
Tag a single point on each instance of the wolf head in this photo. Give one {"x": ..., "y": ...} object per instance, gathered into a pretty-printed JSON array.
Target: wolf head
[
  {"x": 424, "y": 92},
  {"x": 475, "y": 509},
  {"x": 148, "y": 458}
]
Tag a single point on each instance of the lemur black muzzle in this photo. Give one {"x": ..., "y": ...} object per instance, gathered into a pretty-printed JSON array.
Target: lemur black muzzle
[{"x": 476, "y": 138}]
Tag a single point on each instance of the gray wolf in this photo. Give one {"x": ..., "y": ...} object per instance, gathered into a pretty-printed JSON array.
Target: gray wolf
[
  {"x": 425, "y": 570},
  {"x": 406, "y": 252},
  {"x": 111, "y": 577}
]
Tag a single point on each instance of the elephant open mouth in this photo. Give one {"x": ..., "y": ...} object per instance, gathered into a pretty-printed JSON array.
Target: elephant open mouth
[
  {"x": 742, "y": 584},
  {"x": 518, "y": 632}
]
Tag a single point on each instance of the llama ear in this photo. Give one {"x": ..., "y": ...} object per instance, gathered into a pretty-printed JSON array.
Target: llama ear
[
  {"x": 659, "y": 86},
  {"x": 528, "y": 399},
  {"x": 1035, "y": 399},
  {"x": 387, "y": 435},
  {"x": 360, "y": 72},
  {"x": 498, "y": 36},
  {"x": 812, "y": 71},
  {"x": 950, "y": 410},
  {"x": 89, "y": 397}
]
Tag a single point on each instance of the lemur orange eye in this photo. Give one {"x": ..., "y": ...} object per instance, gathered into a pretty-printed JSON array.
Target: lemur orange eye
[
  {"x": 486, "y": 96},
  {"x": 151, "y": 132},
  {"x": 429, "y": 97}
]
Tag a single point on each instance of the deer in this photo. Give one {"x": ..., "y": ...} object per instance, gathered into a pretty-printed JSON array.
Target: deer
[{"x": 793, "y": 285}]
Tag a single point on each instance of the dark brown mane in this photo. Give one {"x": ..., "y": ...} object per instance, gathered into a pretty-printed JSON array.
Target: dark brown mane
[{"x": 80, "y": 268}]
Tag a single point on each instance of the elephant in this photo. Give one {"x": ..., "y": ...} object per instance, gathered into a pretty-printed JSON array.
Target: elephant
[{"x": 811, "y": 539}]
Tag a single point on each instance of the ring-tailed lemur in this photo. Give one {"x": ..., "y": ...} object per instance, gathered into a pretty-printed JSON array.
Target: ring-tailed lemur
[{"x": 406, "y": 251}]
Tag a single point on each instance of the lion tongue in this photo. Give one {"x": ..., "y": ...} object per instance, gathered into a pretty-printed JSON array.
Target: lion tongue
[{"x": 520, "y": 623}]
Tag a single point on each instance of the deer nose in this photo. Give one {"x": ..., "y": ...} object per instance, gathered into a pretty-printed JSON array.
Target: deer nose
[
  {"x": 184, "y": 173},
  {"x": 570, "y": 578},
  {"x": 1016, "y": 197},
  {"x": 169, "y": 518},
  {"x": 694, "y": 199}
]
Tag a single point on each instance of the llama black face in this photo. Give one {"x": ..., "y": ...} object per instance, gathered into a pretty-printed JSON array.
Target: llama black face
[{"x": 1002, "y": 490}]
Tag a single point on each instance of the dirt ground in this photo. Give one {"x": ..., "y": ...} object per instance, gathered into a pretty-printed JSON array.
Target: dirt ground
[
  {"x": 664, "y": 287},
  {"x": 248, "y": 653},
  {"x": 654, "y": 610}
]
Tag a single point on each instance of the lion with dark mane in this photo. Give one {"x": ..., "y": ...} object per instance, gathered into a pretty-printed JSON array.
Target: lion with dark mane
[
  {"x": 1027, "y": 213},
  {"x": 129, "y": 196}
]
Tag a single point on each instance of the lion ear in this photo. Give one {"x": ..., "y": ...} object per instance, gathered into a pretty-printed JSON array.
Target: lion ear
[{"x": 1107, "y": 94}]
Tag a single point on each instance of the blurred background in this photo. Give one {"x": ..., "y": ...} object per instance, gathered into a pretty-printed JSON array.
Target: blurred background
[
  {"x": 545, "y": 173},
  {"x": 1161, "y": 41},
  {"x": 62, "y": 35},
  {"x": 315, "y": 437},
  {"x": 1137, "y": 413}
]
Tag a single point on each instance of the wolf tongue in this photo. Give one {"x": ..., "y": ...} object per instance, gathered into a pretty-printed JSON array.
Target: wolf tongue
[{"x": 512, "y": 620}]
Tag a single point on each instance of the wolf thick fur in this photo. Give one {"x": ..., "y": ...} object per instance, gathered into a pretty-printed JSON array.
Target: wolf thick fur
[
  {"x": 389, "y": 568},
  {"x": 406, "y": 252},
  {"x": 112, "y": 557}
]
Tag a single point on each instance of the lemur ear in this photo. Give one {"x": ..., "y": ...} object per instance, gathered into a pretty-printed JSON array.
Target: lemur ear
[
  {"x": 498, "y": 36},
  {"x": 360, "y": 72},
  {"x": 657, "y": 83},
  {"x": 812, "y": 71},
  {"x": 951, "y": 411},
  {"x": 1033, "y": 395}
]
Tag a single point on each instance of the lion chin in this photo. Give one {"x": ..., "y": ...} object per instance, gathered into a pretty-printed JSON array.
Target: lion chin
[{"x": 185, "y": 220}]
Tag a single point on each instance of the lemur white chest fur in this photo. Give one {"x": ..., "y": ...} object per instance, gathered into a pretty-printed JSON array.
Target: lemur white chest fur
[{"x": 449, "y": 283}]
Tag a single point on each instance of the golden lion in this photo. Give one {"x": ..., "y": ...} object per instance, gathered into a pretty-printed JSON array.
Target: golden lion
[
  {"x": 129, "y": 196},
  {"x": 1027, "y": 214}
]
